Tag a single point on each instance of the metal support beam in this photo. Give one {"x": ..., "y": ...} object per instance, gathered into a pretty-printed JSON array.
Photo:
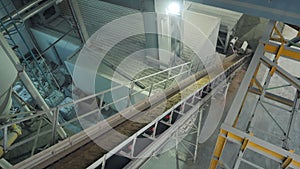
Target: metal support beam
[
  {"x": 271, "y": 9},
  {"x": 198, "y": 134},
  {"x": 150, "y": 25},
  {"x": 292, "y": 118},
  {"x": 22, "y": 10},
  {"x": 243, "y": 89},
  {"x": 273, "y": 97},
  {"x": 281, "y": 72},
  {"x": 287, "y": 52},
  {"x": 260, "y": 146},
  {"x": 27, "y": 9},
  {"x": 77, "y": 17}
]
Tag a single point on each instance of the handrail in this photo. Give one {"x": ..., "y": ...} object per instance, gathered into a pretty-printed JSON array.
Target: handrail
[{"x": 154, "y": 74}]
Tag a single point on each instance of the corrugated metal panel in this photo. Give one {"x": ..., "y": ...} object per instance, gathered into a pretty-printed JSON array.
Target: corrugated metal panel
[
  {"x": 98, "y": 13},
  {"x": 95, "y": 15}
]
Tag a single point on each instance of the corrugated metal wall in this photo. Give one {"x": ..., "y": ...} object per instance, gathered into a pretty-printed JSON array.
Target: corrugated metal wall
[{"x": 96, "y": 14}]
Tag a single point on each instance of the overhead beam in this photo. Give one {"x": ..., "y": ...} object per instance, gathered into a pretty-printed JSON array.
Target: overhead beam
[
  {"x": 281, "y": 72},
  {"x": 286, "y": 158},
  {"x": 76, "y": 14},
  {"x": 272, "y": 97},
  {"x": 133, "y": 4},
  {"x": 285, "y": 11}
]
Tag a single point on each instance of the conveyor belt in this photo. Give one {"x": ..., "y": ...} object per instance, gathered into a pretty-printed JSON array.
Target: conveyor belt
[
  {"x": 80, "y": 152},
  {"x": 149, "y": 140}
]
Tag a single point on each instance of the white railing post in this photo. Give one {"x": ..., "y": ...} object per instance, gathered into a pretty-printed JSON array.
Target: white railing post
[
  {"x": 150, "y": 90},
  {"x": 104, "y": 162},
  {"x": 5, "y": 139},
  {"x": 130, "y": 93},
  {"x": 54, "y": 125}
]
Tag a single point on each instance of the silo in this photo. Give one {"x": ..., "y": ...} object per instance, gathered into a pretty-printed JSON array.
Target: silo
[{"x": 8, "y": 75}]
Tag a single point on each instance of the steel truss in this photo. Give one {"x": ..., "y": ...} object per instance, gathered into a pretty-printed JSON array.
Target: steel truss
[{"x": 245, "y": 139}]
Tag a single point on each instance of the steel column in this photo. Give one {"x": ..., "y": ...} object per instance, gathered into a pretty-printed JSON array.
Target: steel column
[
  {"x": 245, "y": 138},
  {"x": 76, "y": 14}
]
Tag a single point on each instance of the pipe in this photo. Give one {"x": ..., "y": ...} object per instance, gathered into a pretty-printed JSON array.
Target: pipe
[
  {"x": 29, "y": 14},
  {"x": 76, "y": 15},
  {"x": 22, "y": 10},
  {"x": 38, "y": 9},
  {"x": 150, "y": 25},
  {"x": 11, "y": 138}
]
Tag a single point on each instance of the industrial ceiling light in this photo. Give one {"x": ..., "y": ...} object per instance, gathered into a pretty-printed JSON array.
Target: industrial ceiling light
[{"x": 173, "y": 8}]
